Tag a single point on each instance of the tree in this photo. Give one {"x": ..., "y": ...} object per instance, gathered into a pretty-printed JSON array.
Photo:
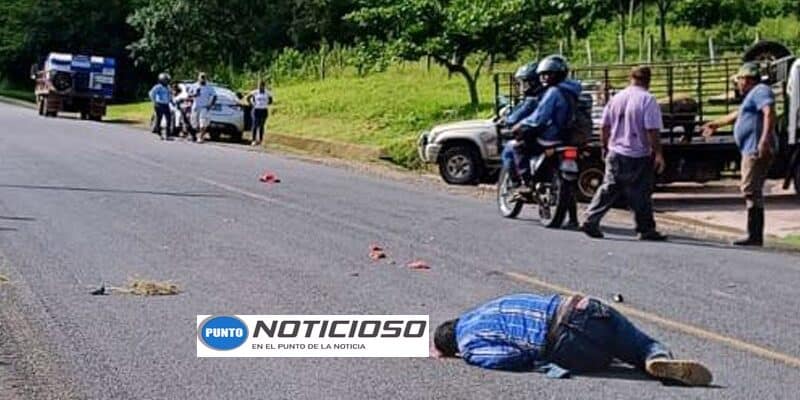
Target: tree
[
  {"x": 578, "y": 17},
  {"x": 663, "y": 7},
  {"x": 29, "y": 29},
  {"x": 200, "y": 34},
  {"x": 454, "y": 33}
]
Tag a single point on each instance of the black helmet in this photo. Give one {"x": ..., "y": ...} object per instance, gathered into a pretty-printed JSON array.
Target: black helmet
[
  {"x": 527, "y": 72},
  {"x": 554, "y": 63}
]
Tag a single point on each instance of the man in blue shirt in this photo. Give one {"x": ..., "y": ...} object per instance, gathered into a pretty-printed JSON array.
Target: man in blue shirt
[
  {"x": 557, "y": 334},
  {"x": 161, "y": 96},
  {"x": 754, "y": 131}
]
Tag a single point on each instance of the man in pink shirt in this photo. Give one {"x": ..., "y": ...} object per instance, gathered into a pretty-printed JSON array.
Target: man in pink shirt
[{"x": 631, "y": 139}]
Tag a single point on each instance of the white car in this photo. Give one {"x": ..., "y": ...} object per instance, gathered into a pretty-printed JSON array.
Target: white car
[{"x": 228, "y": 116}]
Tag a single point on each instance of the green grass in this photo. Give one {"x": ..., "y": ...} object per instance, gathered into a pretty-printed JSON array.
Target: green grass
[
  {"x": 24, "y": 95},
  {"x": 792, "y": 240},
  {"x": 130, "y": 113},
  {"x": 386, "y": 110}
]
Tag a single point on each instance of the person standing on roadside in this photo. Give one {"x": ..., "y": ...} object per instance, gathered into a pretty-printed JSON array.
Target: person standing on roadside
[
  {"x": 203, "y": 98},
  {"x": 259, "y": 99},
  {"x": 754, "y": 131},
  {"x": 631, "y": 137},
  {"x": 161, "y": 96}
]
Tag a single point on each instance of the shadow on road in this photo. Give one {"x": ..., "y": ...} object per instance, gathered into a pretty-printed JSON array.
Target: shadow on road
[
  {"x": 28, "y": 219},
  {"x": 116, "y": 191},
  {"x": 624, "y": 372}
]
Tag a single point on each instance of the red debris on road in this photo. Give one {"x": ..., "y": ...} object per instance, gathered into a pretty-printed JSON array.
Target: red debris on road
[
  {"x": 376, "y": 252},
  {"x": 418, "y": 264},
  {"x": 269, "y": 177}
]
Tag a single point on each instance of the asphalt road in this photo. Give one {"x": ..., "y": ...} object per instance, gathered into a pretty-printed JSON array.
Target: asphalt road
[{"x": 85, "y": 203}]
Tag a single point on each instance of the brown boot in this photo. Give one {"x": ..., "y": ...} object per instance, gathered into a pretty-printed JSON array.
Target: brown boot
[
  {"x": 755, "y": 228},
  {"x": 687, "y": 372}
]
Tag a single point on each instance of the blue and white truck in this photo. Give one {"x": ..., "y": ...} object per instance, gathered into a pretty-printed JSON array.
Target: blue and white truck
[{"x": 74, "y": 83}]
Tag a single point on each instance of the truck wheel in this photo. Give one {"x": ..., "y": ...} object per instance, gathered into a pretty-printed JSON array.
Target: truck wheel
[
  {"x": 460, "y": 165},
  {"x": 589, "y": 179},
  {"x": 47, "y": 113}
]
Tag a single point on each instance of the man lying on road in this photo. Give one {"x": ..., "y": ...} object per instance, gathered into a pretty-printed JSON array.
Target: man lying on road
[{"x": 557, "y": 334}]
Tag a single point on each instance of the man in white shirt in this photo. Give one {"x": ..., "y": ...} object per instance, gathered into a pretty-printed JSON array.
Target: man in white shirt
[
  {"x": 204, "y": 97},
  {"x": 259, "y": 99}
]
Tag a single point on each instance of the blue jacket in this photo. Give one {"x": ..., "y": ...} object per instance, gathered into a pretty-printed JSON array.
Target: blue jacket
[
  {"x": 554, "y": 111},
  {"x": 522, "y": 110},
  {"x": 160, "y": 94},
  {"x": 507, "y": 333}
]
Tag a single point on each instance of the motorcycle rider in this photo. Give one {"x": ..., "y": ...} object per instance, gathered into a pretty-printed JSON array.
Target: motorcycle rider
[
  {"x": 531, "y": 89},
  {"x": 544, "y": 128}
]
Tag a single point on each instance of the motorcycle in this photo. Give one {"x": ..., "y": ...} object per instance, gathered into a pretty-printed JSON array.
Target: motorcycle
[{"x": 553, "y": 187}]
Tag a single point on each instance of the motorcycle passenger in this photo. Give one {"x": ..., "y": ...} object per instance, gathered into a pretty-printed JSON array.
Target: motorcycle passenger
[
  {"x": 530, "y": 88},
  {"x": 545, "y": 127}
]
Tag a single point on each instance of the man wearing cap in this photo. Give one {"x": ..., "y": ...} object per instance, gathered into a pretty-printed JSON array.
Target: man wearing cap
[
  {"x": 557, "y": 334},
  {"x": 631, "y": 137},
  {"x": 754, "y": 131}
]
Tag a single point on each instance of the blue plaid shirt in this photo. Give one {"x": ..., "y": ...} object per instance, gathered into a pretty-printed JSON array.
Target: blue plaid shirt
[{"x": 507, "y": 333}]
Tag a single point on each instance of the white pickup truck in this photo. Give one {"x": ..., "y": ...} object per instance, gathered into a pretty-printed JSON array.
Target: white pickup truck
[{"x": 466, "y": 151}]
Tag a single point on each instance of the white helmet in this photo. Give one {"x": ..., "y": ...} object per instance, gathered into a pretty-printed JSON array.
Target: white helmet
[{"x": 164, "y": 77}]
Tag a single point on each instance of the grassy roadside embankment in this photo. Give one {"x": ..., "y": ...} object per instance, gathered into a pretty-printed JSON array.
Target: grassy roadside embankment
[{"x": 385, "y": 110}]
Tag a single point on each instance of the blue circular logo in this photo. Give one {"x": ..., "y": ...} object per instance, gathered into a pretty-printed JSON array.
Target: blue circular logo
[{"x": 223, "y": 332}]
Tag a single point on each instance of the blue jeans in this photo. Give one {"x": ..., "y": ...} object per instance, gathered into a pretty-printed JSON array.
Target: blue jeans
[
  {"x": 590, "y": 338},
  {"x": 162, "y": 111},
  {"x": 507, "y": 157}
]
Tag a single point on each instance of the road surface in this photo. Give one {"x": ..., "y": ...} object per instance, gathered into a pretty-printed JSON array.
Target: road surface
[{"x": 85, "y": 203}]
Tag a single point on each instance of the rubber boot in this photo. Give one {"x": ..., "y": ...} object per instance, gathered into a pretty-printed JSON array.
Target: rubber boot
[{"x": 755, "y": 228}]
